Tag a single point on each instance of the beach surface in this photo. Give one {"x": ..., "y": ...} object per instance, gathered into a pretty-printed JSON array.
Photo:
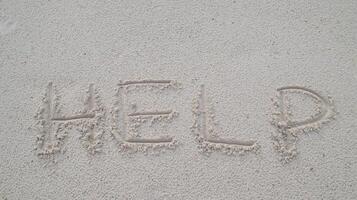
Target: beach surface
[{"x": 178, "y": 99}]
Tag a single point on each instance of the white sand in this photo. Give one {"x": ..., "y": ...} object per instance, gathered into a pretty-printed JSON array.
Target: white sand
[{"x": 199, "y": 116}]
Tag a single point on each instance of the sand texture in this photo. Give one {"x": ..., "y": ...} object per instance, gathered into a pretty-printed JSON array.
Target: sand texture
[{"x": 178, "y": 100}]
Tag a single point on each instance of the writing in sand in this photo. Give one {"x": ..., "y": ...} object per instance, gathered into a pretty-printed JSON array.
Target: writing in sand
[{"x": 53, "y": 125}]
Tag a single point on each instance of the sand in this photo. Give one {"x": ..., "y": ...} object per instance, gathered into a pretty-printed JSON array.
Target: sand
[{"x": 178, "y": 99}]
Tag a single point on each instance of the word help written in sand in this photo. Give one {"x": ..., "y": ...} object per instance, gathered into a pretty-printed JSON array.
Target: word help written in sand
[{"x": 53, "y": 125}]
